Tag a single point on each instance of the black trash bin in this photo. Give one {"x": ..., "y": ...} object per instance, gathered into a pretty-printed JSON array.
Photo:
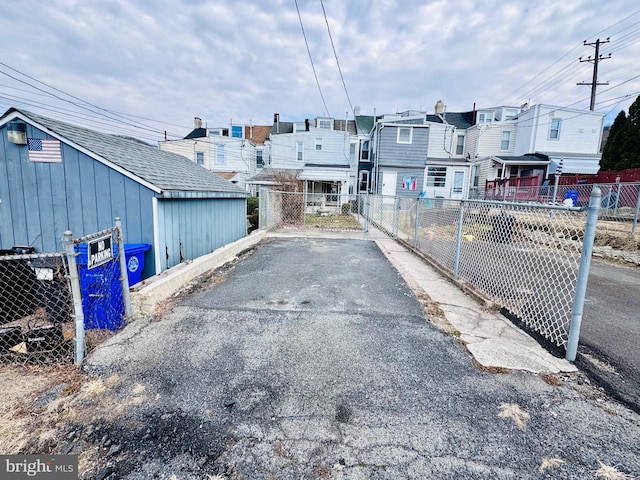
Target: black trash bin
[
  {"x": 503, "y": 226},
  {"x": 16, "y": 287},
  {"x": 51, "y": 289}
]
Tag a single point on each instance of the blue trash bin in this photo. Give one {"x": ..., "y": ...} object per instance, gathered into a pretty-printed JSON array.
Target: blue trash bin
[
  {"x": 134, "y": 255},
  {"x": 101, "y": 290},
  {"x": 573, "y": 195}
]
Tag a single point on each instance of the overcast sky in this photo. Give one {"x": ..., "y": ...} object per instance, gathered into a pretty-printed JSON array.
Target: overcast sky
[{"x": 170, "y": 60}]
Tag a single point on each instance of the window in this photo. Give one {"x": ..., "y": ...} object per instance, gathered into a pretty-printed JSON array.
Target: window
[
  {"x": 324, "y": 123},
  {"x": 436, "y": 176},
  {"x": 299, "y": 150},
  {"x": 475, "y": 173},
  {"x": 364, "y": 151},
  {"x": 200, "y": 158},
  {"x": 300, "y": 127},
  {"x": 405, "y": 134},
  {"x": 485, "y": 117},
  {"x": 215, "y": 132},
  {"x": 259, "y": 158},
  {"x": 363, "y": 184},
  {"x": 554, "y": 128},
  {"x": 236, "y": 131},
  {"x": 510, "y": 113},
  {"x": 318, "y": 144},
  {"x": 460, "y": 145},
  {"x": 220, "y": 156},
  {"x": 506, "y": 138},
  {"x": 352, "y": 153}
]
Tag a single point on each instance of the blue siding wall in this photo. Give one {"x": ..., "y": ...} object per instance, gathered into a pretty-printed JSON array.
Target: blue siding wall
[
  {"x": 190, "y": 228},
  {"x": 39, "y": 201},
  {"x": 407, "y": 160}
]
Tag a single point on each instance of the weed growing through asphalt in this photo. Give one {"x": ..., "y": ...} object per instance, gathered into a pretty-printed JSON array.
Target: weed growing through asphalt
[
  {"x": 550, "y": 463},
  {"x": 611, "y": 473},
  {"x": 515, "y": 413}
]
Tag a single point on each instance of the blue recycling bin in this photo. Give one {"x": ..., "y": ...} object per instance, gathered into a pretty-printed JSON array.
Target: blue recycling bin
[
  {"x": 573, "y": 195},
  {"x": 101, "y": 290},
  {"x": 134, "y": 255}
]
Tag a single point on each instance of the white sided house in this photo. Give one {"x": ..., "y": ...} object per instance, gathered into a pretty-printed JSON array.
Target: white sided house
[{"x": 322, "y": 152}]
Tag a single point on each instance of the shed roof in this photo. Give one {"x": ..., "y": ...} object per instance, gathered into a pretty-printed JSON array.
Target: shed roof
[{"x": 144, "y": 163}]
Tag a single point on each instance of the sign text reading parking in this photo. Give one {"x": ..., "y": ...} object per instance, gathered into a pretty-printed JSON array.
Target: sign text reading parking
[{"x": 100, "y": 251}]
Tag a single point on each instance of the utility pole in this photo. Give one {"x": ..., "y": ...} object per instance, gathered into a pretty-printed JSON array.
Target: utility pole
[{"x": 594, "y": 83}]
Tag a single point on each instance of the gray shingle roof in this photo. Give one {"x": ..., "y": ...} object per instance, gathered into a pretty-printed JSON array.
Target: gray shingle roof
[
  {"x": 462, "y": 120},
  {"x": 165, "y": 170}
]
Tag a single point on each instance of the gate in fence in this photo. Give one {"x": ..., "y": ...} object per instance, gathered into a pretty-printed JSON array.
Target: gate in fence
[
  {"x": 49, "y": 300},
  {"x": 528, "y": 258}
]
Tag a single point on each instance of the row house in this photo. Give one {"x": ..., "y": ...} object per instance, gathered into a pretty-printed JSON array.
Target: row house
[
  {"x": 322, "y": 153},
  {"x": 235, "y": 152},
  {"x": 481, "y": 152}
]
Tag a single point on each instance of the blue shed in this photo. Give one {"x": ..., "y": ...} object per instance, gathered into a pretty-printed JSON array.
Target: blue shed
[{"x": 55, "y": 177}]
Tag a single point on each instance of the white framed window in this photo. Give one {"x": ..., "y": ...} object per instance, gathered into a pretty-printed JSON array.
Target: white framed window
[
  {"x": 460, "y": 145},
  {"x": 259, "y": 158},
  {"x": 436, "y": 176},
  {"x": 405, "y": 135},
  {"x": 325, "y": 123},
  {"x": 364, "y": 151},
  {"x": 510, "y": 113},
  {"x": 318, "y": 144},
  {"x": 220, "y": 154},
  {"x": 554, "y": 129},
  {"x": 485, "y": 117},
  {"x": 216, "y": 132},
  {"x": 506, "y": 139},
  {"x": 352, "y": 153},
  {"x": 300, "y": 127},
  {"x": 200, "y": 158},
  {"x": 363, "y": 181},
  {"x": 299, "y": 151}
]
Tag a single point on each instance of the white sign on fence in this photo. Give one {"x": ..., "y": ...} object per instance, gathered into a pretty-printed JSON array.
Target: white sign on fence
[{"x": 99, "y": 252}]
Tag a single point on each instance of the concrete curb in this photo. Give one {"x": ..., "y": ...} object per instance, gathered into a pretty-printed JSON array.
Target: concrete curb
[{"x": 148, "y": 294}]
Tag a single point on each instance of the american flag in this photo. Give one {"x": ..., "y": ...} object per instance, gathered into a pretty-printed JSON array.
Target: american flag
[{"x": 44, "y": 150}]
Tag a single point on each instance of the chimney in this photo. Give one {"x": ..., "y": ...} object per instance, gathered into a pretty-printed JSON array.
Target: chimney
[
  {"x": 276, "y": 120},
  {"x": 439, "y": 107},
  {"x": 197, "y": 122}
]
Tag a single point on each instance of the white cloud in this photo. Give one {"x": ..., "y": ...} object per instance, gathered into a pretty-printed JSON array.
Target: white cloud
[{"x": 243, "y": 60}]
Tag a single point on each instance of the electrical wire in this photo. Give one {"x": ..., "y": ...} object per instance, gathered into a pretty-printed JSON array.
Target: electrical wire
[{"x": 311, "y": 59}]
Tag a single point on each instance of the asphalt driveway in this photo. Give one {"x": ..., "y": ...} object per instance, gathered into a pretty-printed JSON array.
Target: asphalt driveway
[{"x": 311, "y": 358}]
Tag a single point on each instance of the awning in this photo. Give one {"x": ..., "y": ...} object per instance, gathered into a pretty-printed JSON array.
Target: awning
[
  {"x": 576, "y": 165},
  {"x": 325, "y": 175}
]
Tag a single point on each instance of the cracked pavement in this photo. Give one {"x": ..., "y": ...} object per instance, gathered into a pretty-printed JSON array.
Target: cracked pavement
[{"x": 313, "y": 358}]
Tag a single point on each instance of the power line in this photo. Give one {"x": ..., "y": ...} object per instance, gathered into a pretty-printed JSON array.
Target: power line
[
  {"x": 311, "y": 58},
  {"x": 336, "y": 57}
]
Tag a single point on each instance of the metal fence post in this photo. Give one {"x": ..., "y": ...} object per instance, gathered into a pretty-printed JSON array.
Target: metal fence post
[
  {"x": 396, "y": 217},
  {"x": 583, "y": 274},
  {"x": 366, "y": 217},
  {"x": 124, "y": 276},
  {"x": 635, "y": 216},
  {"x": 417, "y": 225},
  {"x": 456, "y": 261},
  {"x": 74, "y": 280}
]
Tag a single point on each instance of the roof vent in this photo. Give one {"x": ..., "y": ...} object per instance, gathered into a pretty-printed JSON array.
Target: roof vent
[{"x": 439, "y": 107}]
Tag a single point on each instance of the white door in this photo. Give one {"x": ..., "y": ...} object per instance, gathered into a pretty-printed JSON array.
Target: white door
[
  {"x": 457, "y": 190},
  {"x": 389, "y": 180}
]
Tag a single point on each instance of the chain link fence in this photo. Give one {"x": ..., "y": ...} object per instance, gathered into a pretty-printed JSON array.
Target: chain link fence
[
  {"x": 619, "y": 201},
  {"x": 55, "y": 307},
  {"x": 36, "y": 309}
]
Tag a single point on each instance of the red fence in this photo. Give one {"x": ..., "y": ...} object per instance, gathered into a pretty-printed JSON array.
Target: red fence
[{"x": 611, "y": 176}]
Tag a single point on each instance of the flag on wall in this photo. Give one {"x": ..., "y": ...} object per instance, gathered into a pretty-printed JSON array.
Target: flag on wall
[
  {"x": 44, "y": 150},
  {"x": 409, "y": 183}
]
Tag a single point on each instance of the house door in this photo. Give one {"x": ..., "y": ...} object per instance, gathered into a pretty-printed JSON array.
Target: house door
[
  {"x": 457, "y": 190},
  {"x": 389, "y": 180}
]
